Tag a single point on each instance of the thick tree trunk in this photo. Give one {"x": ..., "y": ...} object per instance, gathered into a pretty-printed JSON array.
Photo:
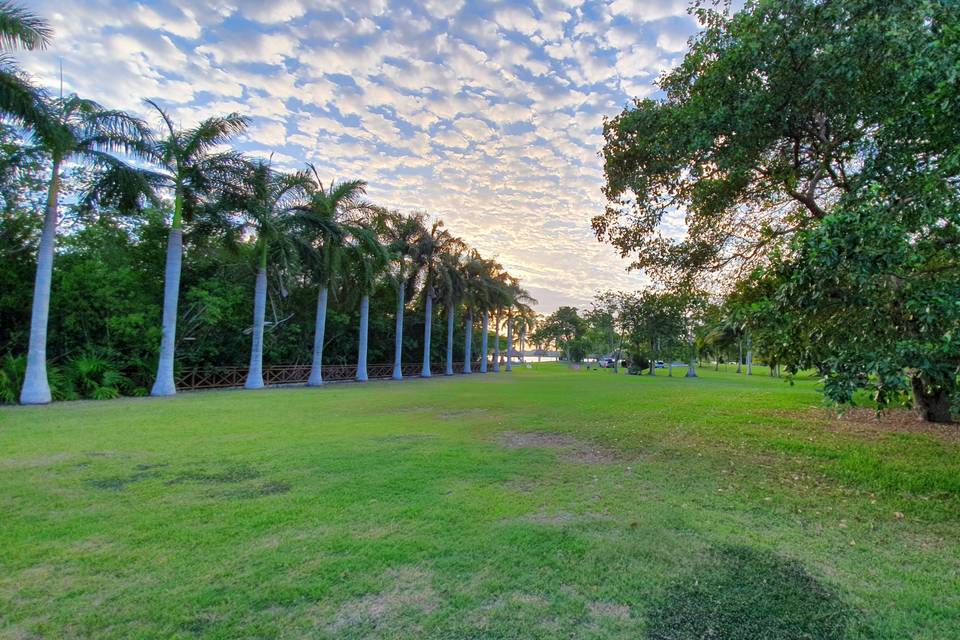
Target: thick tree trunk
[
  {"x": 739, "y": 356},
  {"x": 468, "y": 342},
  {"x": 509, "y": 343},
  {"x": 691, "y": 365},
  {"x": 932, "y": 404},
  {"x": 398, "y": 336},
  {"x": 427, "y": 327},
  {"x": 364, "y": 330},
  {"x": 717, "y": 366},
  {"x": 496, "y": 344},
  {"x": 255, "y": 372},
  {"x": 749, "y": 355},
  {"x": 483, "y": 341},
  {"x": 653, "y": 360},
  {"x": 316, "y": 369},
  {"x": 36, "y": 387},
  {"x": 450, "y": 317}
]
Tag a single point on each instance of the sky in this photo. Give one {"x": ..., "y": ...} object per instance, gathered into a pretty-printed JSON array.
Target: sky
[{"x": 486, "y": 114}]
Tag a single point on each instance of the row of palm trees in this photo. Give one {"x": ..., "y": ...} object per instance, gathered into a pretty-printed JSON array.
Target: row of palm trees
[{"x": 331, "y": 229}]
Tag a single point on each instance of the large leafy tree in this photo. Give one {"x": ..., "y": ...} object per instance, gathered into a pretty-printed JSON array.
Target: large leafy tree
[
  {"x": 75, "y": 130},
  {"x": 779, "y": 118},
  {"x": 193, "y": 167}
]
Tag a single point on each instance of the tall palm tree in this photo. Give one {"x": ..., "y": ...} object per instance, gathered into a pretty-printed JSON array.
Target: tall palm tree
[
  {"x": 433, "y": 244},
  {"x": 475, "y": 294},
  {"x": 268, "y": 200},
  {"x": 403, "y": 235},
  {"x": 331, "y": 220},
  {"x": 503, "y": 299},
  {"x": 525, "y": 321},
  {"x": 520, "y": 300},
  {"x": 191, "y": 165},
  {"x": 76, "y": 130},
  {"x": 490, "y": 276},
  {"x": 452, "y": 284},
  {"x": 365, "y": 260},
  {"x": 20, "y": 100}
]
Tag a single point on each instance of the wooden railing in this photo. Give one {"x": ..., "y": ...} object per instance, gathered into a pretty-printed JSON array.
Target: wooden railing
[{"x": 280, "y": 374}]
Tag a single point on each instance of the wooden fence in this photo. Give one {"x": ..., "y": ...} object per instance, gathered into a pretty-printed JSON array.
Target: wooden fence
[{"x": 227, "y": 377}]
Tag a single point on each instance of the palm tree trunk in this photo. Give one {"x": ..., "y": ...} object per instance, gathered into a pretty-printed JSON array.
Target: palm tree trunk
[
  {"x": 164, "y": 384},
  {"x": 364, "y": 327},
  {"x": 483, "y": 341},
  {"x": 468, "y": 342},
  {"x": 523, "y": 337},
  {"x": 255, "y": 372},
  {"x": 398, "y": 336},
  {"x": 450, "y": 316},
  {"x": 509, "y": 341},
  {"x": 36, "y": 388},
  {"x": 427, "y": 326},
  {"x": 496, "y": 344},
  {"x": 316, "y": 369},
  {"x": 749, "y": 355}
]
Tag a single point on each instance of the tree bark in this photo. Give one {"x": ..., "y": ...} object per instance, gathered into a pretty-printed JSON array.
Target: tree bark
[
  {"x": 316, "y": 369},
  {"x": 496, "y": 344},
  {"x": 749, "y": 355},
  {"x": 468, "y": 342},
  {"x": 483, "y": 341},
  {"x": 509, "y": 342},
  {"x": 364, "y": 330},
  {"x": 164, "y": 384},
  {"x": 255, "y": 372},
  {"x": 427, "y": 328},
  {"x": 739, "y": 356},
  {"x": 398, "y": 336},
  {"x": 932, "y": 403},
  {"x": 36, "y": 387},
  {"x": 450, "y": 316},
  {"x": 691, "y": 365}
]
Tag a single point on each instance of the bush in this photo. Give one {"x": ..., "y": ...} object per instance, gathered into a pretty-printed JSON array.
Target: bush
[{"x": 95, "y": 376}]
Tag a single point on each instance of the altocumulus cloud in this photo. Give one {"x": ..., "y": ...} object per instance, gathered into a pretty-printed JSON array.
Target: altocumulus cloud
[{"x": 487, "y": 114}]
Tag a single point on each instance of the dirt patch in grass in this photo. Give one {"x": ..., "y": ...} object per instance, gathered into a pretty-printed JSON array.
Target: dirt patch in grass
[
  {"x": 739, "y": 593},
  {"x": 269, "y": 488},
  {"x": 228, "y": 474},
  {"x": 571, "y": 448},
  {"x": 32, "y": 463},
  {"x": 409, "y": 591},
  {"x": 463, "y": 413},
  {"x": 865, "y": 422},
  {"x": 119, "y": 483},
  {"x": 609, "y": 610},
  {"x": 411, "y": 438}
]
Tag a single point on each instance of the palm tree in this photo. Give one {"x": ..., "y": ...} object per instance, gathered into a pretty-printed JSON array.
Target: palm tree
[
  {"x": 331, "y": 221},
  {"x": 76, "y": 130},
  {"x": 452, "y": 284},
  {"x": 403, "y": 234},
  {"x": 520, "y": 300},
  {"x": 427, "y": 263},
  {"x": 19, "y": 98},
  {"x": 365, "y": 259},
  {"x": 268, "y": 201},
  {"x": 526, "y": 321},
  {"x": 190, "y": 164},
  {"x": 503, "y": 300},
  {"x": 475, "y": 298}
]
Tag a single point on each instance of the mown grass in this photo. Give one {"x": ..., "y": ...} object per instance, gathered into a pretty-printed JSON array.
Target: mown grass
[{"x": 421, "y": 510}]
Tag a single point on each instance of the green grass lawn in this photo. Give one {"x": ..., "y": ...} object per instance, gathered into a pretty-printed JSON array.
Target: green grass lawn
[{"x": 545, "y": 503}]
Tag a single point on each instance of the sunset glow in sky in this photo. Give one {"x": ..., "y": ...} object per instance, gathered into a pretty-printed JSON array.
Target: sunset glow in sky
[{"x": 485, "y": 114}]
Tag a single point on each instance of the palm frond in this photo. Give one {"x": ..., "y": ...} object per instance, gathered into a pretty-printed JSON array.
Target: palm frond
[{"x": 22, "y": 29}]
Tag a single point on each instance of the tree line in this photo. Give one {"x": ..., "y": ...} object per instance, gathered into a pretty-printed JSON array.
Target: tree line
[
  {"x": 813, "y": 150},
  {"x": 142, "y": 201}
]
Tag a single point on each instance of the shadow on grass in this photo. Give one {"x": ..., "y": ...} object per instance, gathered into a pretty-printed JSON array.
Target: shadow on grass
[{"x": 740, "y": 593}]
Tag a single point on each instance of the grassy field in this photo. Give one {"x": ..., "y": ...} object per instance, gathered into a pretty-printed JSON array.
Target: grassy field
[{"x": 542, "y": 504}]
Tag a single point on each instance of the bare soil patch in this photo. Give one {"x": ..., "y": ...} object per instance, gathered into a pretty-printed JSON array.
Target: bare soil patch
[
  {"x": 866, "y": 422},
  {"x": 572, "y": 449},
  {"x": 409, "y": 590}
]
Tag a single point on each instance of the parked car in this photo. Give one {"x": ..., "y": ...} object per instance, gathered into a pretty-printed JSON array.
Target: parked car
[
  {"x": 660, "y": 365},
  {"x": 606, "y": 363}
]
